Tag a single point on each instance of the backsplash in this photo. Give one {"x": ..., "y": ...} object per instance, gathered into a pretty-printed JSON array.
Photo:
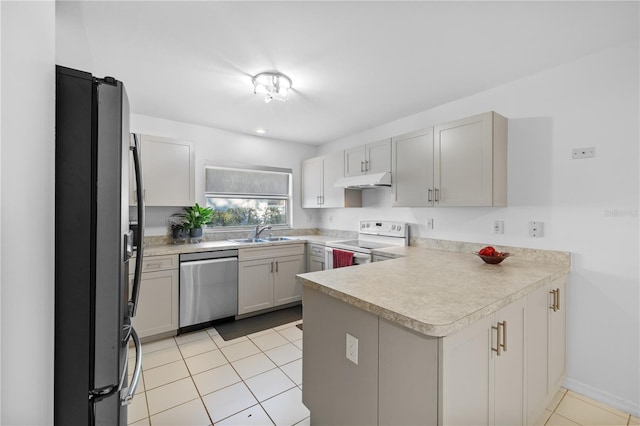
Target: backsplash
[{"x": 533, "y": 255}]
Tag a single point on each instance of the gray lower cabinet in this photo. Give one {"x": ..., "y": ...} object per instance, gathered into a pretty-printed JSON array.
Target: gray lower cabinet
[
  {"x": 267, "y": 277},
  {"x": 315, "y": 258},
  {"x": 384, "y": 387},
  {"x": 474, "y": 376},
  {"x": 157, "y": 312},
  {"x": 546, "y": 328}
]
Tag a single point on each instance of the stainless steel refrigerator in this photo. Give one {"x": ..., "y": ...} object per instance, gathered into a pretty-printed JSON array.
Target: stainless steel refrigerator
[{"x": 93, "y": 247}]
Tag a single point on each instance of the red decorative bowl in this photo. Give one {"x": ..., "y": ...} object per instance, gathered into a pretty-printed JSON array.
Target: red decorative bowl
[{"x": 494, "y": 260}]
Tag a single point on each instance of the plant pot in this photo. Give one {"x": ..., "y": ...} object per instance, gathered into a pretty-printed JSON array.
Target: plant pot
[
  {"x": 195, "y": 235},
  {"x": 179, "y": 236}
]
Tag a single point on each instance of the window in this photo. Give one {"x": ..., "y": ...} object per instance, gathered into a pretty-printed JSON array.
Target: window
[{"x": 246, "y": 197}]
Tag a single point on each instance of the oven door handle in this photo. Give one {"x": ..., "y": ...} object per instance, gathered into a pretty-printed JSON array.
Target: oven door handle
[{"x": 361, "y": 255}]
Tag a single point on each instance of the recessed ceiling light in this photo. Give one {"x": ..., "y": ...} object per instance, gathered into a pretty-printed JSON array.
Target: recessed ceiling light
[{"x": 261, "y": 131}]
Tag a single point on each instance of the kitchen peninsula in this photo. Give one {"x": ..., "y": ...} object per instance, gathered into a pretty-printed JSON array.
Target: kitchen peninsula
[{"x": 436, "y": 337}]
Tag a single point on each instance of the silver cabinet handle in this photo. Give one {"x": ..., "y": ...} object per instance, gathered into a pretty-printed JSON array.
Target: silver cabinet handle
[
  {"x": 501, "y": 343},
  {"x": 504, "y": 335},
  {"x": 276, "y": 266},
  {"x": 272, "y": 267},
  {"x": 362, "y": 167},
  {"x": 429, "y": 191},
  {"x": 437, "y": 192},
  {"x": 498, "y": 348},
  {"x": 131, "y": 390},
  {"x": 366, "y": 165},
  {"x": 555, "y": 305}
]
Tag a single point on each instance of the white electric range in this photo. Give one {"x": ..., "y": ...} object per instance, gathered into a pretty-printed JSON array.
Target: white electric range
[{"x": 372, "y": 234}]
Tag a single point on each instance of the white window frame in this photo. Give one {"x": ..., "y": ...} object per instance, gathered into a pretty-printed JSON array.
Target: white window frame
[{"x": 236, "y": 228}]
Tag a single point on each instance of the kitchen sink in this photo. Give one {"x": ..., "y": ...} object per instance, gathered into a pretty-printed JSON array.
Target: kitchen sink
[
  {"x": 248, "y": 240},
  {"x": 260, "y": 240}
]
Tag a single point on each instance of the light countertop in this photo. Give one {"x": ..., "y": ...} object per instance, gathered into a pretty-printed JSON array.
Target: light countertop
[
  {"x": 435, "y": 292},
  {"x": 172, "y": 249}
]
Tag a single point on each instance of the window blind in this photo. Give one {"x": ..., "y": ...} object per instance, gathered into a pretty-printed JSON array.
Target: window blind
[{"x": 221, "y": 180}]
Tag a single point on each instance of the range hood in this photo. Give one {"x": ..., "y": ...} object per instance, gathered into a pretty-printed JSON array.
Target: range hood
[{"x": 374, "y": 180}]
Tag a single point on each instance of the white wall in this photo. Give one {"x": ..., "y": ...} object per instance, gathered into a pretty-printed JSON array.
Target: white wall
[
  {"x": 223, "y": 147},
  {"x": 589, "y": 207},
  {"x": 27, "y": 178}
]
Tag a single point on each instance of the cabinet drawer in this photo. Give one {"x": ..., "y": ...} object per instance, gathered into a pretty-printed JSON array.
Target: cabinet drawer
[
  {"x": 155, "y": 263},
  {"x": 316, "y": 250},
  {"x": 270, "y": 251}
]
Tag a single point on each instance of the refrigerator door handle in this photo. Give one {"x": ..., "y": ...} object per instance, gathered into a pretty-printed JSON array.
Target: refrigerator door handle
[
  {"x": 135, "y": 148},
  {"x": 131, "y": 390}
]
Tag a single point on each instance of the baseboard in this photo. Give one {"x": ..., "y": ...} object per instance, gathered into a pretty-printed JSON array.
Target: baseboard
[{"x": 604, "y": 397}]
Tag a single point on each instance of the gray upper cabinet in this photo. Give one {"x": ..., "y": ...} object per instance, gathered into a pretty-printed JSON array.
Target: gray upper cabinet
[
  {"x": 168, "y": 170},
  {"x": 318, "y": 177},
  {"x": 462, "y": 163},
  {"x": 412, "y": 169},
  {"x": 470, "y": 161},
  {"x": 370, "y": 158}
]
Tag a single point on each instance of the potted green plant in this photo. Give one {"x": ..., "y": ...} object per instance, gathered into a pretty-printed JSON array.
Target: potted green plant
[
  {"x": 178, "y": 228},
  {"x": 194, "y": 218}
]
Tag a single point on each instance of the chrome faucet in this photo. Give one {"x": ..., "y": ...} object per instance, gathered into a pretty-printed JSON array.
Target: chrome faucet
[{"x": 259, "y": 230}]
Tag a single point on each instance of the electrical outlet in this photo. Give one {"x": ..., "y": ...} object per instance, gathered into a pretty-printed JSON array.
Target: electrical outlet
[
  {"x": 498, "y": 227},
  {"x": 429, "y": 223},
  {"x": 536, "y": 229},
  {"x": 352, "y": 349},
  {"x": 589, "y": 152}
]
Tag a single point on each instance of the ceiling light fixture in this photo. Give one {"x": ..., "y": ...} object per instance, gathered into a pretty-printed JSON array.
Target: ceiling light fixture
[{"x": 273, "y": 85}]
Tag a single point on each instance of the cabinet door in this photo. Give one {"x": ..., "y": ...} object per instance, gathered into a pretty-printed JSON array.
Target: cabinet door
[
  {"x": 255, "y": 285},
  {"x": 466, "y": 371},
  {"x": 464, "y": 162},
  {"x": 311, "y": 182},
  {"x": 333, "y": 169},
  {"x": 168, "y": 168},
  {"x": 412, "y": 170},
  {"x": 285, "y": 286},
  {"x": 558, "y": 336},
  {"x": 537, "y": 367},
  {"x": 157, "y": 310},
  {"x": 378, "y": 157},
  {"x": 509, "y": 366},
  {"x": 316, "y": 264},
  {"x": 354, "y": 161}
]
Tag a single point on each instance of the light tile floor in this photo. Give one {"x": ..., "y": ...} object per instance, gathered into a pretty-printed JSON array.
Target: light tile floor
[
  {"x": 200, "y": 379},
  {"x": 569, "y": 408}
]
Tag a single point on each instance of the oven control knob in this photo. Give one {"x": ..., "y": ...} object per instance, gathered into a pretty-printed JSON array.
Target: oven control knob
[
  {"x": 368, "y": 224},
  {"x": 362, "y": 225},
  {"x": 399, "y": 228},
  {"x": 393, "y": 227}
]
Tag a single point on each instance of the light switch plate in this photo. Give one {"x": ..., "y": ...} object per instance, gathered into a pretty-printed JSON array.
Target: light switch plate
[{"x": 352, "y": 349}]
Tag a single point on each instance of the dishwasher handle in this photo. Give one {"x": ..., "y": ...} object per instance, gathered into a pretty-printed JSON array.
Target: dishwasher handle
[{"x": 208, "y": 255}]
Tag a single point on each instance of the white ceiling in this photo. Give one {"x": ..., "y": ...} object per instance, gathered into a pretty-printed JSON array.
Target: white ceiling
[{"x": 354, "y": 65}]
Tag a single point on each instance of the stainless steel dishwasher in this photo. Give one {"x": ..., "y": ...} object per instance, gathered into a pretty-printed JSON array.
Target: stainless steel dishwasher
[{"x": 208, "y": 286}]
